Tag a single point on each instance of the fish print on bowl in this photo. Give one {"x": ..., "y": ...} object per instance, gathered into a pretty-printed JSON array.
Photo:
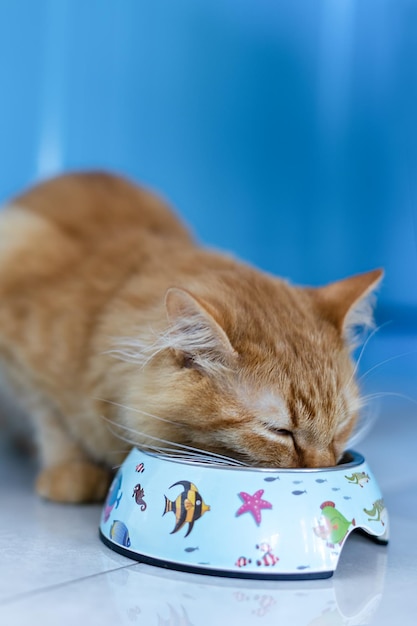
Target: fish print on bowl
[
  {"x": 114, "y": 496},
  {"x": 187, "y": 507}
]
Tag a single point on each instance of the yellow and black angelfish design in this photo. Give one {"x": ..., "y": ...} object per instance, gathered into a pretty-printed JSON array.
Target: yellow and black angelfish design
[{"x": 188, "y": 507}]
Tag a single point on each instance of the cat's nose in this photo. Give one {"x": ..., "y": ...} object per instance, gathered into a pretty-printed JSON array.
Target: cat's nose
[{"x": 319, "y": 458}]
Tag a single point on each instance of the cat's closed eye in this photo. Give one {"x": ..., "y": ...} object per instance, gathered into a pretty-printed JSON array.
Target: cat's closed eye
[{"x": 283, "y": 432}]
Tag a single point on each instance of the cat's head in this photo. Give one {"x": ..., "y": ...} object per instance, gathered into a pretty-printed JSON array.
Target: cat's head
[{"x": 257, "y": 370}]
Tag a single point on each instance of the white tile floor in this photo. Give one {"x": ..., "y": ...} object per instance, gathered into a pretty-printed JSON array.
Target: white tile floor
[{"x": 54, "y": 570}]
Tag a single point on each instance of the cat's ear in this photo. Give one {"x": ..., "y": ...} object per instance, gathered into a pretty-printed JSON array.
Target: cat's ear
[
  {"x": 195, "y": 333},
  {"x": 348, "y": 303}
]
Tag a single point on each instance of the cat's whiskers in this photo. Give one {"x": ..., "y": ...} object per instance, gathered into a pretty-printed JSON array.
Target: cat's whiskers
[
  {"x": 364, "y": 346},
  {"x": 135, "y": 442},
  {"x": 385, "y": 361},
  {"x": 179, "y": 448},
  {"x": 199, "y": 453},
  {"x": 130, "y": 440},
  {"x": 366, "y": 421},
  {"x": 139, "y": 411},
  {"x": 370, "y": 412},
  {"x": 382, "y": 394},
  {"x": 364, "y": 424}
]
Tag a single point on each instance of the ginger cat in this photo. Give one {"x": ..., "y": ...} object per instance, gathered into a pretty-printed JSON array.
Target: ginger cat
[{"x": 116, "y": 329}]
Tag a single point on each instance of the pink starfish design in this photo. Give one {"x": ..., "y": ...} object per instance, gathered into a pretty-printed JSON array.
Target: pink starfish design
[{"x": 253, "y": 504}]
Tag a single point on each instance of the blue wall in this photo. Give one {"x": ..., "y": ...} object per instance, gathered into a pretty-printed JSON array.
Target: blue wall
[{"x": 284, "y": 131}]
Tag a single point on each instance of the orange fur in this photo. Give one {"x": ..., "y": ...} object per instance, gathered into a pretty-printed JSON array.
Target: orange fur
[{"x": 115, "y": 325}]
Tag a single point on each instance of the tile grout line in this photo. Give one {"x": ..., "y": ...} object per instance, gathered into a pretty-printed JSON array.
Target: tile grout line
[{"x": 35, "y": 592}]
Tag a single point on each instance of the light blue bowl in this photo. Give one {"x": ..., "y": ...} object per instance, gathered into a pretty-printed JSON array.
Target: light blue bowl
[{"x": 249, "y": 523}]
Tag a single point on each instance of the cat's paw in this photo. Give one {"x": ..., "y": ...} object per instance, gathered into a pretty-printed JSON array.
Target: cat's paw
[{"x": 73, "y": 482}]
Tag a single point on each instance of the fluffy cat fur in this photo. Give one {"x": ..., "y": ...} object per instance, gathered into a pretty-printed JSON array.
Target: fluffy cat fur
[{"x": 116, "y": 329}]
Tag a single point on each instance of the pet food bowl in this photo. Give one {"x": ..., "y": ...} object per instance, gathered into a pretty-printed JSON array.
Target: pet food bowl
[{"x": 248, "y": 523}]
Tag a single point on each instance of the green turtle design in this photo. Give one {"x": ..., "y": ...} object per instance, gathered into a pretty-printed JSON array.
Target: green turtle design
[
  {"x": 333, "y": 525},
  {"x": 358, "y": 478},
  {"x": 377, "y": 512}
]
